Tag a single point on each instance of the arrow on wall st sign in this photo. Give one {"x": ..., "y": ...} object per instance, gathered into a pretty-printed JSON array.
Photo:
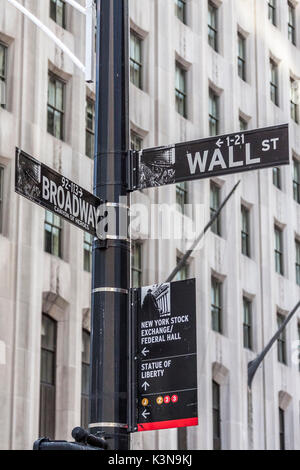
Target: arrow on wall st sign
[{"x": 216, "y": 156}]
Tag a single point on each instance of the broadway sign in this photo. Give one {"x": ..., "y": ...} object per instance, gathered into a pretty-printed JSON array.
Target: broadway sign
[
  {"x": 221, "y": 155},
  {"x": 56, "y": 193},
  {"x": 166, "y": 351}
]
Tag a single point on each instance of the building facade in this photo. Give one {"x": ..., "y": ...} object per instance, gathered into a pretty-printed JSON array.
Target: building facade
[{"x": 197, "y": 68}]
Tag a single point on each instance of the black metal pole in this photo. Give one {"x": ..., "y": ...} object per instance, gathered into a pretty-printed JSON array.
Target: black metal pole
[
  {"x": 111, "y": 257},
  {"x": 189, "y": 252},
  {"x": 254, "y": 365}
]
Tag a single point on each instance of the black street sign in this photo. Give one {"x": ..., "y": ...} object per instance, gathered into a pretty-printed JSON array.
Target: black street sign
[
  {"x": 221, "y": 155},
  {"x": 44, "y": 186},
  {"x": 166, "y": 352}
]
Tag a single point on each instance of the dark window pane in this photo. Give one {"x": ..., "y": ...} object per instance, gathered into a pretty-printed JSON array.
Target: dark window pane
[
  {"x": 180, "y": 10},
  {"x": 294, "y": 100},
  {"x": 136, "y": 264},
  {"x": 241, "y": 57},
  {"x": 85, "y": 378},
  {"x": 212, "y": 26},
  {"x": 90, "y": 128},
  {"x": 292, "y": 24},
  {"x": 245, "y": 233},
  {"x": 277, "y": 177},
  {"x": 47, "y": 377},
  {"x": 135, "y": 60},
  {"x": 87, "y": 252},
  {"x": 57, "y": 12},
  {"x": 281, "y": 342},
  {"x": 274, "y": 82},
  {"x": 213, "y": 113},
  {"x": 180, "y": 90},
  {"x": 216, "y": 307},
  {"x": 52, "y": 234},
  {"x": 247, "y": 323},
  {"x": 181, "y": 196},
  {"x": 55, "y": 121},
  {"x": 216, "y": 412},
  {"x": 136, "y": 142},
  {"x": 272, "y": 11},
  {"x": 214, "y": 206},
  {"x": 278, "y": 251},
  {"x": 281, "y": 429},
  {"x": 296, "y": 180},
  {"x": 3, "y": 74}
]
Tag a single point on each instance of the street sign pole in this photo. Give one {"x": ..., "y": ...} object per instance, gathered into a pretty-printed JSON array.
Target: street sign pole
[{"x": 111, "y": 254}]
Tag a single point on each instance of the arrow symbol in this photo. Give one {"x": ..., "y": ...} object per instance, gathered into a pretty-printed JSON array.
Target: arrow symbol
[
  {"x": 145, "y": 414},
  {"x": 145, "y": 385},
  {"x": 145, "y": 351},
  {"x": 219, "y": 142}
]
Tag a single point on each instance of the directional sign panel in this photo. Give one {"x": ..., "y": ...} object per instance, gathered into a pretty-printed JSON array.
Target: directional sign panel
[
  {"x": 44, "y": 186},
  {"x": 221, "y": 155},
  {"x": 167, "y": 356}
]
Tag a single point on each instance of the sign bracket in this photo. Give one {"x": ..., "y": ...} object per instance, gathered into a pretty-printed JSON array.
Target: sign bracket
[
  {"x": 132, "y": 360},
  {"x": 132, "y": 170}
]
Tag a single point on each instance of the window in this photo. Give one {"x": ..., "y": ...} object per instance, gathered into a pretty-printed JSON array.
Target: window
[
  {"x": 53, "y": 229},
  {"x": 56, "y": 91},
  {"x": 292, "y": 23},
  {"x": 241, "y": 56},
  {"x": 180, "y": 90},
  {"x": 216, "y": 308},
  {"x": 180, "y": 10},
  {"x": 245, "y": 233},
  {"x": 181, "y": 195},
  {"x": 272, "y": 11},
  {"x": 136, "y": 142},
  {"x": 1, "y": 196},
  {"x": 296, "y": 181},
  {"x": 47, "y": 380},
  {"x": 136, "y": 60},
  {"x": 3, "y": 74},
  {"x": 281, "y": 342},
  {"x": 294, "y": 100},
  {"x": 281, "y": 429},
  {"x": 243, "y": 124},
  {"x": 58, "y": 12},
  {"x": 277, "y": 177},
  {"x": 274, "y": 82},
  {"x": 213, "y": 113},
  {"x": 247, "y": 323},
  {"x": 85, "y": 378},
  {"x": 87, "y": 252},
  {"x": 278, "y": 250},
  {"x": 297, "y": 244},
  {"x": 213, "y": 26},
  {"x": 136, "y": 264},
  {"x": 89, "y": 128},
  {"x": 214, "y": 206},
  {"x": 183, "y": 274},
  {"x": 216, "y": 402}
]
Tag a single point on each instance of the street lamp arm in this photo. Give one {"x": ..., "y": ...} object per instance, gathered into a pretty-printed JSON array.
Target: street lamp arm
[
  {"x": 77, "y": 6},
  {"x": 189, "y": 252},
  {"x": 49, "y": 33},
  {"x": 254, "y": 365}
]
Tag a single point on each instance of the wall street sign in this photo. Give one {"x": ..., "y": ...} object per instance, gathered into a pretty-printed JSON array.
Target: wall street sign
[
  {"x": 166, "y": 369},
  {"x": 221, "y": 155},
  {"x": 47, "y": 188}
]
